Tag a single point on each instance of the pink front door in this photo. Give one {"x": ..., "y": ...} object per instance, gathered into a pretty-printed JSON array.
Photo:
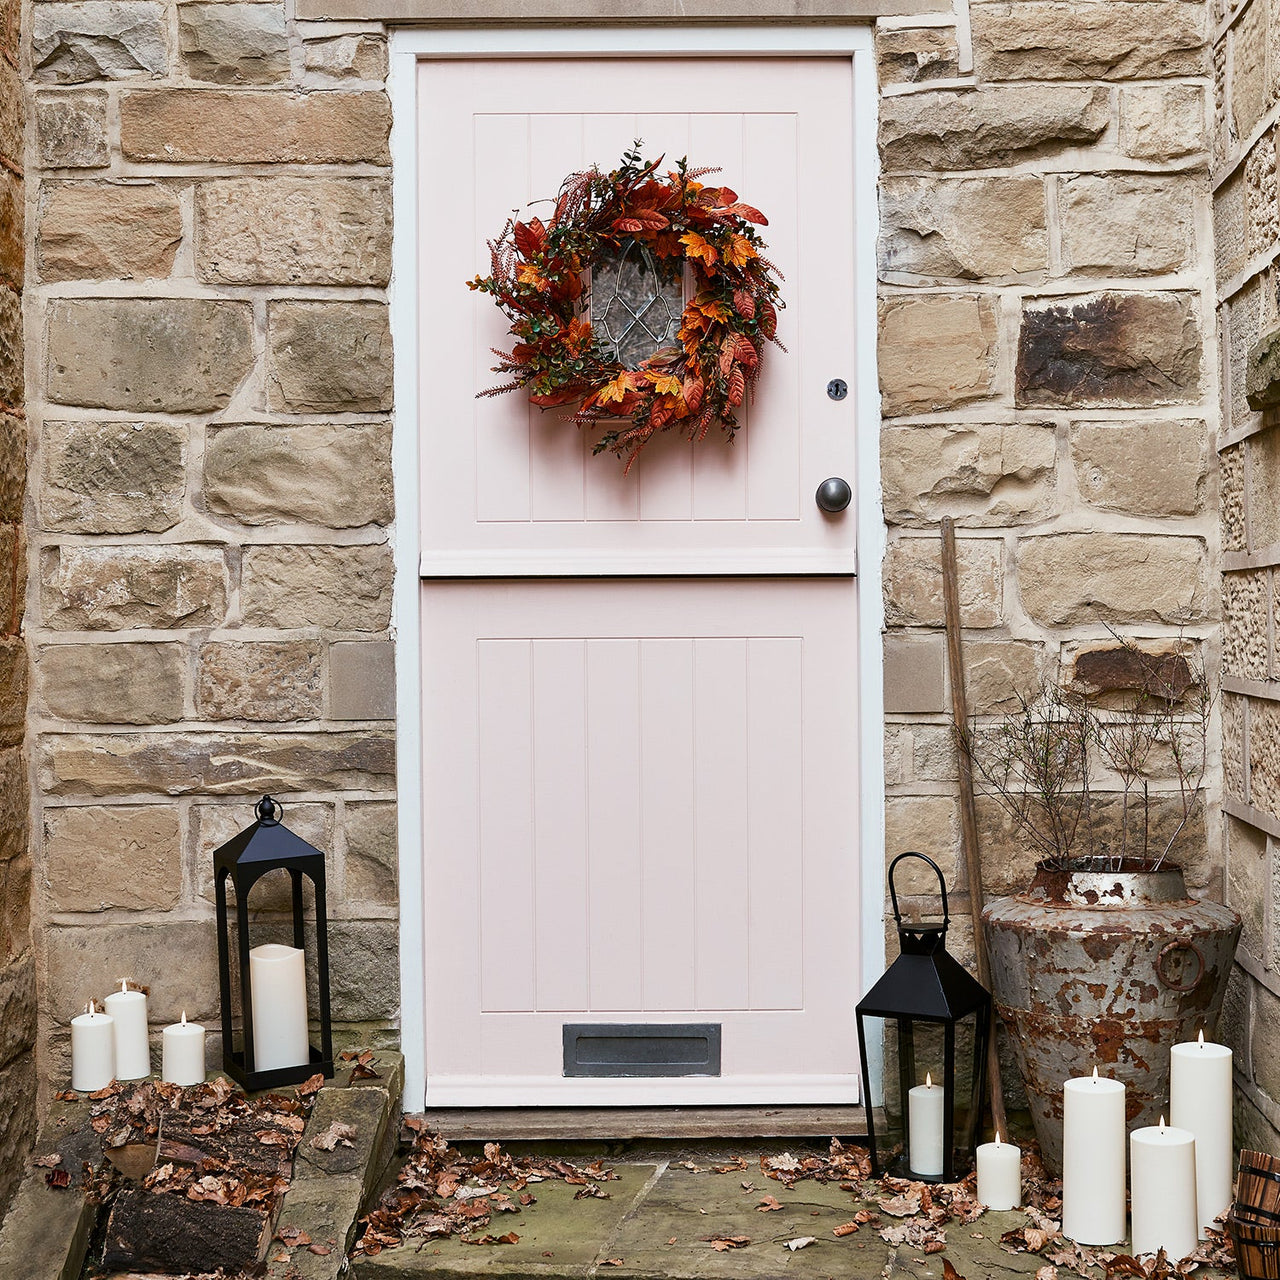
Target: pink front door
[{"x": 639, "y": 708}]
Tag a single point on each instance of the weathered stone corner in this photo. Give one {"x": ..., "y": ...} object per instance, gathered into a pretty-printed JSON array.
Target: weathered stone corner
[{"x": 1262, "y": 386}]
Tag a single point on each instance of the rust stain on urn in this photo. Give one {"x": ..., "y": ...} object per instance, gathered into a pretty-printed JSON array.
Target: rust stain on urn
[{"x": 1114, "y": 348}]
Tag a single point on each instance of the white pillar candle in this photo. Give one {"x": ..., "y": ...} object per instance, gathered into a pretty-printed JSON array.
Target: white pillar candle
[
  {"x": 133, "y": 1053},
  {"x": 999, "y": 1174},
  {"x": 1093, "y": 1160},
  {"x": 924, "y": 1120},
  {"x": 93, "y": 1051},
  {"x": 278, "y": 982},
  {"x": 1163, "y": 1164},
  {"x": 182, "y": 1061},
  {"x": 1200, "y": 1102}
]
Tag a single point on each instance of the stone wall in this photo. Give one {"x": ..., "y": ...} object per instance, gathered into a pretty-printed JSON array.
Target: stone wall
[
  {"x": 1047, "y": 372},
  {"x": 17, "y": 961},
  {"x": 1247, "y": 229},
  {"x": 210, "y": 394}
]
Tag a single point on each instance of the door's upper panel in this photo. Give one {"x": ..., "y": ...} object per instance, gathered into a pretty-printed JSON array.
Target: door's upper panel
[{"x": 508, "y": 488}]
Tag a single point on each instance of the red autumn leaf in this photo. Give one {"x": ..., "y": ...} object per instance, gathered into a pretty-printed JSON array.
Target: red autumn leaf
[
  {"x": 748, "y": 214},
  {"x": 530, "y": 236},
  {"x": 692, "y": 390},
  {"x": 745, "y": 351},
  {"x": 737, "y": 387},
  {"x": 549, "y": 400},
  {"x": 58, "y": 1178},
  {"x": 844, "y": 1229},
  {"x": 744, "y": 304}
]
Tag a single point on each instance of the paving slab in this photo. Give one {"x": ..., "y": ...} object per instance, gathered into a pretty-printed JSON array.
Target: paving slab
[{"x": 559, "y": 1236}]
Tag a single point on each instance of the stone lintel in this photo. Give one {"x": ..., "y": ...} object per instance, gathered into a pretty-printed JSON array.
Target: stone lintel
[{"x": 469, "y": 13}]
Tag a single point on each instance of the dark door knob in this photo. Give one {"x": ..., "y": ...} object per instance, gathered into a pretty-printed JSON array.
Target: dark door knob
[{"x": 834, "y": 495}]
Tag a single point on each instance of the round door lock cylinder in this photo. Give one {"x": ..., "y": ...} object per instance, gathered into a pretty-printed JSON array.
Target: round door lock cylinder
[{"x": 837, "y": 388}]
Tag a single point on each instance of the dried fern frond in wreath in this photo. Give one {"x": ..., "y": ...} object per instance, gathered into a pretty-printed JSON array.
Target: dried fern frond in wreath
[{"x": 538, "y": 277}]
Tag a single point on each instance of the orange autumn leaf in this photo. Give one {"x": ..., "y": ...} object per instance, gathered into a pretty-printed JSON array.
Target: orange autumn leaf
[
  {"x": 530, "y": 237},
  {"x": 665, "y": 384},
  {"x": 737, "y": 387},
  {"x": 699, "y": 247},
  {"x": 530, "y": 274},
  {"x": 577, "y": 336},
  {"x": 740, "y": 251}
]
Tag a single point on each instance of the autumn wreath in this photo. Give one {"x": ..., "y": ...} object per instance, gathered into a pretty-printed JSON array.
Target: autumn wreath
[{"x": 540, "y": 274}]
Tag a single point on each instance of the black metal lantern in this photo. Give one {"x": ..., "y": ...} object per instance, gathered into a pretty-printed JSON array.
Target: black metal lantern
[
  {"x": 927, "y": 988},
  {"x": 245, "y": 859}
]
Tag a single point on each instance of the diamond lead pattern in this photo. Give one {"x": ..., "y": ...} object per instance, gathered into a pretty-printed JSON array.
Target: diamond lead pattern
[{"x": 635, "y": 303}]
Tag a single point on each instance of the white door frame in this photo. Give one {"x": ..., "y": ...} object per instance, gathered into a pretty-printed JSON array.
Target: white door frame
[{"x": 407, "y": 48}]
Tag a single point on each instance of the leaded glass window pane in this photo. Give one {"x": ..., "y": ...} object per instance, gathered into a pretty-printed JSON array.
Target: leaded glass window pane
[{"x": 636, "y": 301}]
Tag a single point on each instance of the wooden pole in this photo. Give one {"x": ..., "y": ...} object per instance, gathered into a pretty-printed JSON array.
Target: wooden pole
[{"x": 968, "y": 815}]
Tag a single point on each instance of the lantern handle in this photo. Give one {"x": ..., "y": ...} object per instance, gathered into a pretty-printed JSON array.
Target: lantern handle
[
  {"x": 942, "y": 885},
  {"x": 268, "y": 811}
]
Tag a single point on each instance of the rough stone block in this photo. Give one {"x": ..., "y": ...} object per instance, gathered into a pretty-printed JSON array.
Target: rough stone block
[
  {"x": 112, "y": 683},
  {"x": 1274, "y": 666},
  {"x": 234, "y": 43},
  {"x": 370, "y": 864},
  {"x": 98, "y": 40},
  {"x": 179, "y": 126},
  {"x": 1104, "y": 40},
  {"x": 936, "y": 351},
  {"x": 914, "y": 55},
  {"x": 1262, "y": 389},
  {"x": 269, "y": 680},
  {"x": 12, "y": 243},
  {"x": 1152, "y": 468},
  {"x": 13, "y": 689},
  {"x": 112, "y": 477},
  {"x": 344, "y": 588},
  {"x": 12, "y": 114},
  {"x": 85, "y": 962},
  {"x": 226, "y": 763},
  {"x": 93, "y": 588},
  {"x": 19, "y": 1089},
  {"x": 1234, "y": 781},
  {"x": 914, "y": 679},
  {"x": 107, "y": 231},
  {"x": 356, "y": 56},
  {"x": 979, "y": 474},
  {"x": 1248, "y": 51},
  {"x": 1264, "y": 489},
  {"x": 362, "y": 680},
  {"x": 1245, "y": 606},
  {"x": 1120, "y": 578},
  {"x": 928, "y": 825},
  {"x": 17, "y": 1008},
  {"x": 134, "y": 853},
  {"x": 338, "y": 476},
  {"x": 996, "y": 671},
  {"x": 1241, "y": 324},
  {"x": 177, "y": 355},
  {"x": 71, "y": 129},
  {"x": 990, "y": 126},
  {"x": 14, "y": 798},
  {"x": 1162, "y": 122},
  {"x": 13, "y": 467},
  {"x": 1230, "y": 245},
  {"x": 330, "y": 357},
  {"x": 364, "y": 969},
  {"x": 1249, "y": 883},
  {"x": 966, "y": 228},
  {"x": 287, "y": 230},
  {"x": 913, "y": 582},
  {"x": 1262, "y": 218},
  {"x": 1265, "y": 1041},
  {"x": 13, "y": 563},
  {"x": 1008, "y": 855},
  {"x": 15, "y": 905},
  {"x": 11, "y": 348},
  {"x": 1126, "y": 224},
  {"x": 1127, "y": 349},
  {"x": 1231, "y": 498}
]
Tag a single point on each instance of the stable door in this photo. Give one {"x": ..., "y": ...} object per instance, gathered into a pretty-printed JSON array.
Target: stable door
[{"x": 639, "y": 689}]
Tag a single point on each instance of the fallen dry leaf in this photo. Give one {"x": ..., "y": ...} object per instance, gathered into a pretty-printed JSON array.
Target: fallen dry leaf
[
  {"x": 1047, "y": 1273},
  {"x": 844, "y": 1229},
  {"x": 292, "y": 1236},
  {"x": 48, "y": 1162},
  {"x": 320, "y": 1250},
  {"x": 949, "y": 1272},
  {"x": 768, "y": 1205},
  {"x": 612, "y": 1262},
  {"x": 58, "y": 1178},
  {"x": 337, "y": 1133},
  {"x": 722, "y": 1243},
  {"x": 800, "y": 1242},
  {"x": 903, "y": 1206},
  {"x": 313, "y": 1084}
]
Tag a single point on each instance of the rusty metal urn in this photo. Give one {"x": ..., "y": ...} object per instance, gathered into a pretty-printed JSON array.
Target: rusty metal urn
[{"x": 1107, "y": 968}]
